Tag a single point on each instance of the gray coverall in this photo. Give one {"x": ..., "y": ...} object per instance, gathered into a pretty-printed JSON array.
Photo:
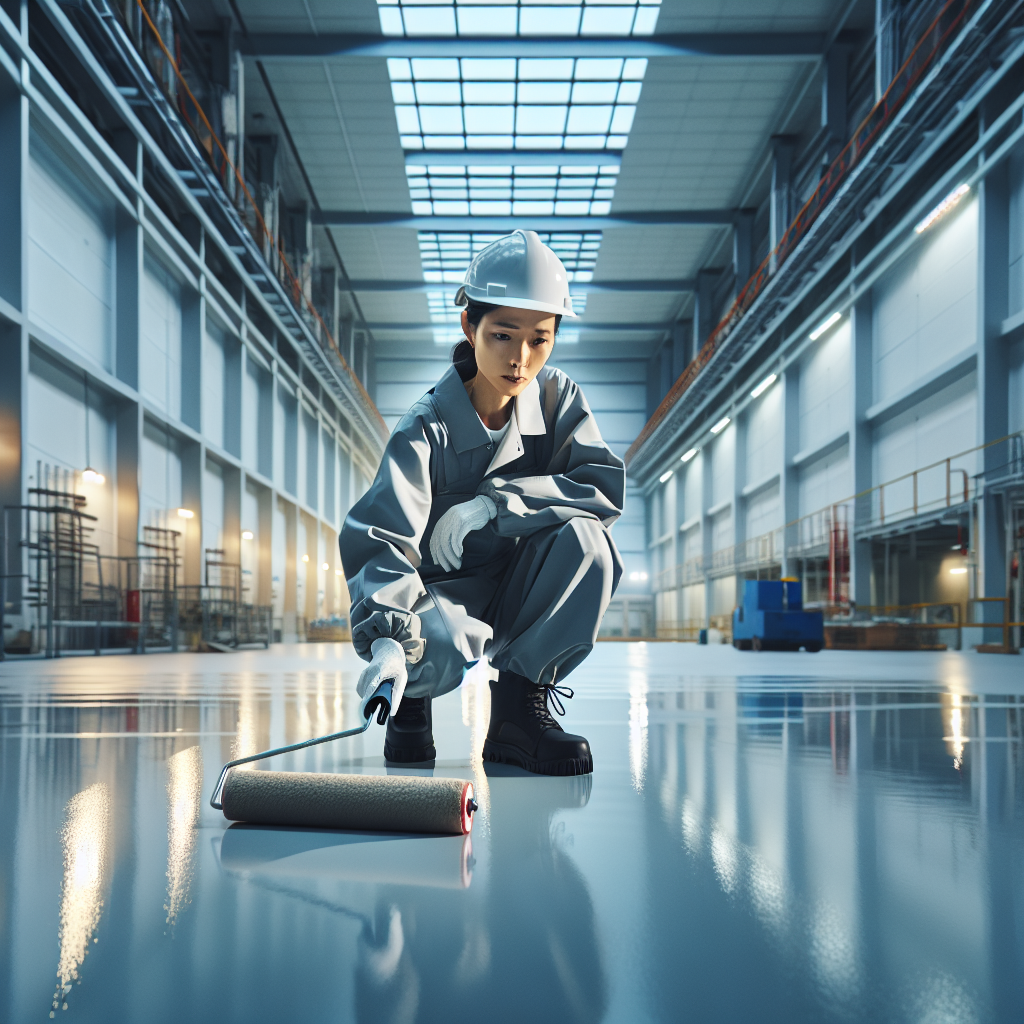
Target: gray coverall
[{"x": 534, "y": 582}]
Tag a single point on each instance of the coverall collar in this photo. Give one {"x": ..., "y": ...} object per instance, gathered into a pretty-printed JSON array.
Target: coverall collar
[{"x": 466, "y": 429}]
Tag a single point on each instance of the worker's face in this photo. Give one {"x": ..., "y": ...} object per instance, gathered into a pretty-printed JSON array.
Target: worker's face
[{"x": 511, "y": 346}]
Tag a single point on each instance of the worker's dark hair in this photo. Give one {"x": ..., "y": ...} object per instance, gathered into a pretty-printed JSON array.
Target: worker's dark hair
[{"x": 463, "y": 356}]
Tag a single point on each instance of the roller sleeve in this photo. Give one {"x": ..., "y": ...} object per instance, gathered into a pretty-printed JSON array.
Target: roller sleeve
[{"x": 370, "y": 803}]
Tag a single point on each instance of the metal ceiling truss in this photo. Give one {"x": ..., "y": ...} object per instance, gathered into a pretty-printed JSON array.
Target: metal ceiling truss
[
  {"x": 746, "y": 45},
  {"x": 504, "y": 224},
  {"x": 820, "y": 272},
  {"x": 115, "y": 66},
  {"x": 683, "y": 284}
]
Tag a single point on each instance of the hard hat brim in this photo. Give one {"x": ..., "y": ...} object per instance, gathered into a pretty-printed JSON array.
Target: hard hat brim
[{"x": 463, "y": 295}]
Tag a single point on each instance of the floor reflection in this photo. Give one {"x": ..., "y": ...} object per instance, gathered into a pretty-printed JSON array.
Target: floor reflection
[{"x": 750, "y": 847}]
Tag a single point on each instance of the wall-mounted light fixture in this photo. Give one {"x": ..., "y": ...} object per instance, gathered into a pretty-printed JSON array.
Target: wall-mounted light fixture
[
  {"x": 337, "y": 572},
  {"x": 721, "y": 425},
  {"x": 89, "y": 475},
  {"x": 943, "y": 208},
  {"x": 825, "y": 325},
  {"x": 186, "y": 513},
  {"x": 326, "y": 567},
  {"x": 764, "y": 385},
  {"x": 637, "y": 577},
  {"x": 247, "y": 535},
  {"x": 689, "y": 455},
  {"x": 957, "y": 572},
  {"x": 305, "y": 558}
]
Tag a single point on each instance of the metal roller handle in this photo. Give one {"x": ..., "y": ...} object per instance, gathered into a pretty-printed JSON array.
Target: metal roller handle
[{"x": 379, "y": 701}]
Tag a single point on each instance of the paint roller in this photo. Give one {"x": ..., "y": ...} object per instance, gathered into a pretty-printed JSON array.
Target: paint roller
[{"x": 367, "y": 803}]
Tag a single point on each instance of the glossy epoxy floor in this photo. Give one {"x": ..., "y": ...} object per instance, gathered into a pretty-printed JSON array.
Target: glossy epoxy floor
[{"x": 766, "y": 837}]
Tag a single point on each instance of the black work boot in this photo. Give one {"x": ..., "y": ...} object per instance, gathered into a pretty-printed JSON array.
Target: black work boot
[
  {"x": 522, "y": 731},
  {"x": 410, "y": 736}
]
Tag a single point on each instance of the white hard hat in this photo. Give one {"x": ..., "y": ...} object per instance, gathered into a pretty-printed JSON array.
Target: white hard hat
[{"x": 518, "y": 270}]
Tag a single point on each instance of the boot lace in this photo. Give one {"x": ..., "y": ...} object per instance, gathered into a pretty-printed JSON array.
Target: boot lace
[{"x": 545, "y": 692}]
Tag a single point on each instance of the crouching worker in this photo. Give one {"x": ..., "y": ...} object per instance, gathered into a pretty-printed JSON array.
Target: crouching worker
[{"x": 485, "y": 533}]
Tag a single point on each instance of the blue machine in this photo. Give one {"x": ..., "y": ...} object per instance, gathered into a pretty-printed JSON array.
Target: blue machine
[{"x": 772, "y": 618}]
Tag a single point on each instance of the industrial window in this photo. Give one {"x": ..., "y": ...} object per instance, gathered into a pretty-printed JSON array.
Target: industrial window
[
  {"x": 522, "y": 18},
  {"x": 513, "y": 103}
]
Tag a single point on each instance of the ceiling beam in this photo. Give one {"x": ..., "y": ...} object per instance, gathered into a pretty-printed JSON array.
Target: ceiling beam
[
  {"x": 745, "y": 45},
  {"x": 356, "y": 218},
  {"x": 591, "y": 287},
  {"x": 631, "y": 328},
  {"x": 517, "y": 157}
]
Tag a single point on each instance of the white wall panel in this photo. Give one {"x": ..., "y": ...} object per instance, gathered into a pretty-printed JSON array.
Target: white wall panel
[
  {"x": 723, "y": 460},
  {"x": 1016, "y": 363},
  {"x": 1016, "y": 176},
  {"x": 252, "y": 384},
  {"x": 693, "y": 486},
  {"x": 764, "y": 435},
  {"x": 936, "y": 429},
  {"x": 213, "y": 378},
  {"x": 160, "y": 339},
  {"x": 56, "y": 436},
  {"x": 925, "y": 308},
  {"x": 161, "y": 477},
  {"x": 70, "y": 256},
  {"x": 764, "y": 511},
  {"x": 825, "y": 388},
  {"x": 825, "y": 481},
  {"x": 250, "y": 548},
  {"x": 213, "y": 507},
  {"x": 722, "y": 531}
]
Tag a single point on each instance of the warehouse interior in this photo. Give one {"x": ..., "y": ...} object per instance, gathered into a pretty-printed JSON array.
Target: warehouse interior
[{"x": 793, "y": 231}]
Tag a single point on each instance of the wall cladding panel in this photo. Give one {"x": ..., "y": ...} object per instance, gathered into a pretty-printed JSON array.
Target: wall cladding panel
[
  {"x": 825, "y": 388},
  {"x": 160, "y": 342},
  {"x": 70, "y": 255},
  {"x": 764, "y": 511},
  {"x": 939, "y": 427},
  {"x": 161, "y": 478},
  {"x": 925, "y": 308},
  {"x": 213, "y": 381},
  {"x": 764, "y": 435},
  {"x": 825, "y": 481}
]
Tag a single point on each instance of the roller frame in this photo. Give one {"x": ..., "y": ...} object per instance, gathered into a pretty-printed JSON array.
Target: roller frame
[{"x": 379, "y": 701}]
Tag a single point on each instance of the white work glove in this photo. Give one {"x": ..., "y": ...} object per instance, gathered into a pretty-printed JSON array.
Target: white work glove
[
  {"x": 388, "y": 664},
  {"x": 452, "y": 527}
]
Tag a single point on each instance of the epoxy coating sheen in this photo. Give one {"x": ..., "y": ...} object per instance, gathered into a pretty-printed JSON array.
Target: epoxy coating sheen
[{"x": 766, "y": 837}]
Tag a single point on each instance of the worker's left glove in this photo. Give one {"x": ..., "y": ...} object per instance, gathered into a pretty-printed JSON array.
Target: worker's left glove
[
  {"x": 388, "y": 665},
  {"x": 452, "y": 527}
]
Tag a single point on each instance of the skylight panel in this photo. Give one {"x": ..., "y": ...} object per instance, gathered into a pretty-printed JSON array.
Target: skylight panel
[
  {"x": 530, "y": 103},
  {"x": 511, "y": 190},
  {"x": 524, "y": 18}
]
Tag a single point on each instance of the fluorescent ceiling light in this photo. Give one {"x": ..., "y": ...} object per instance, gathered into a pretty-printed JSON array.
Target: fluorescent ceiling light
[
  {"x": 186, "y": 513},
  {"x": 91, "y": 476},
  {"x": 689, "y": 455},
  {"x": 665, "y": 477},
  {"x": 823, "y": 327},
  {"x": 247, "y": 535},
  {"x": 764, "y": 385},
  {"x": 943, "y": 208},
  {"x": 957, "y": 572},
  {"x": 721, "y": 425}
]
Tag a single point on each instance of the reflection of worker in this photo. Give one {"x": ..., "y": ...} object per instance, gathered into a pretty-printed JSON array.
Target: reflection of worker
[
  {"x": 426, "y": 956},
  {"x": 486, "y": 529}
]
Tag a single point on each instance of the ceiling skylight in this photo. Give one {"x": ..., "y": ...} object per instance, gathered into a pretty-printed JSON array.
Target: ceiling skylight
[
  {"x": 515, "y": 103},
  {"x": 512, "y": 190},
  {"x": 446, "y": 255},
  {"x": 522, "y": 18}
]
